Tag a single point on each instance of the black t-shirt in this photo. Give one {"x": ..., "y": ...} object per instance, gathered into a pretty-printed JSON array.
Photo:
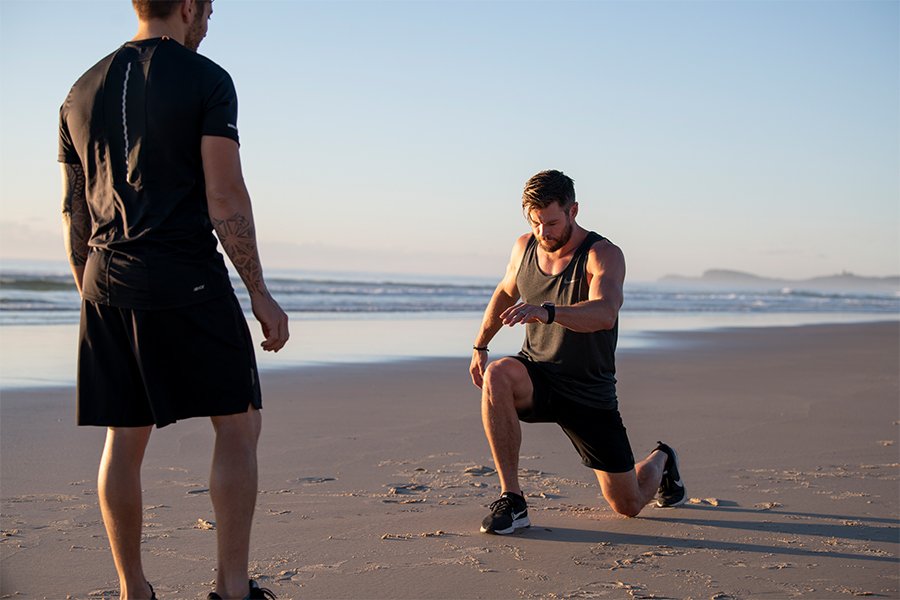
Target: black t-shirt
[{"x": 134, "y": 122}]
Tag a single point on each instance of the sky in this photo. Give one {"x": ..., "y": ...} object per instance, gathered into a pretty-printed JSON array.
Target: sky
[{"x": 389, "y": 136}]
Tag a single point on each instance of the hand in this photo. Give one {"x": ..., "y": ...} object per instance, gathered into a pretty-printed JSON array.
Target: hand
[
  {"x": 274, "y": 321},
  {"x": 476, "y": 368},
  {"x": 524, "y": 313}
]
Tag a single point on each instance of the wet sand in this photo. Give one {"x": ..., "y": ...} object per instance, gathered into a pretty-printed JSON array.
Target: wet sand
[{"x": 374, "y": 479}]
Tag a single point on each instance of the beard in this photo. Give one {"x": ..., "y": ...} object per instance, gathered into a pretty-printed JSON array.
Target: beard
[
  {"x": 195, "y": 33},
  {"x": 554, "y": 244}
]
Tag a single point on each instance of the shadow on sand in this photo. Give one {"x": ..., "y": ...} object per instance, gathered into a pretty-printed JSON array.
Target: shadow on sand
[{"x": 690, "y": 516}]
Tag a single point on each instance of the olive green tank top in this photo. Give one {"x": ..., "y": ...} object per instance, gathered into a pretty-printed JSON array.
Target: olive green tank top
[{"x": 581, "y": 366}]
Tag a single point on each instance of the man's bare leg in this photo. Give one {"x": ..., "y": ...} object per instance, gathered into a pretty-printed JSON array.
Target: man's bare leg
[
  {"x": 233, "y": 487},
  {"x": 507, "y": 387},
  {"x": 628, "y": 493},
  {"x": 119, "y": 491}
]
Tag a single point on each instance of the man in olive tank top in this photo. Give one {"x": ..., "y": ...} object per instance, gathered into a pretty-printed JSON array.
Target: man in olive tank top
[{"x": 564, "y": 283}]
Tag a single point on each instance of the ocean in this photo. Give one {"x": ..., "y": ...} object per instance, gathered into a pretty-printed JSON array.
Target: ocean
[
  {"x": 49, "y": 297},
  {"x": 359, "y": 317}
]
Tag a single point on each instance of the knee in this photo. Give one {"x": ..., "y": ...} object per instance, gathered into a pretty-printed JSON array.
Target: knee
[
  {"x": 498, "y": 378},
  {"x": 126, "y": 445},
  {"x": 627, "y": 507},
  {"x": 240, "y": 430}
]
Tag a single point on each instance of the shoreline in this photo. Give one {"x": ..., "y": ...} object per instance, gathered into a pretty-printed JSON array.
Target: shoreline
[
  {"x": 372, "y": 483},
  {"x": 37, "y": 358}
]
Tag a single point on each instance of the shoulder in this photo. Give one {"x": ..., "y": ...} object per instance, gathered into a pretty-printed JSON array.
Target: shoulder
[
  {"x": 516, "y": 256},
  {"x": 518, "y": 250},
  {"x": 211, "y": 68},
  {"x": 92, "y": 79},
  {"x": 605, "y": 255},
  {"x": 201, "y": 67},
  {"x": 523, "y": 240}
]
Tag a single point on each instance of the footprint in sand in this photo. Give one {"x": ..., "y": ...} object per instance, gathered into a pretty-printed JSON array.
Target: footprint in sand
[
  {"x": 312, "y": 480},
  {"x": 480, "y": 471},
  {"x": 395, "y": 489}
]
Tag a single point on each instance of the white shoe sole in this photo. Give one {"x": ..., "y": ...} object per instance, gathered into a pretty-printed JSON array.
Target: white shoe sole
[
  {"x": 517, "y": 524},
  {"x": 679, "y": 503}
]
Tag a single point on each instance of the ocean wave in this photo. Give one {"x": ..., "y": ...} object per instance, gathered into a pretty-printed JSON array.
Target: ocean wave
[{"x": 29, "y": 297}]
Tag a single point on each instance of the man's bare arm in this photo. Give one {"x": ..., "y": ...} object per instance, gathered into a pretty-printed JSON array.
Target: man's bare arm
[
  {"x": 606, "y": 270},
  {"x": 505, "y": 295},
  {"x": 76, "y": 219},
  {"x": 238, "y": 237},
  {"x": 231, "y": 213}
]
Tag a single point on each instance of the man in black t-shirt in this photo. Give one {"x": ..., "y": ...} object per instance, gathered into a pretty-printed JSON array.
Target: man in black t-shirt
[{"x": 151, "y": 165}]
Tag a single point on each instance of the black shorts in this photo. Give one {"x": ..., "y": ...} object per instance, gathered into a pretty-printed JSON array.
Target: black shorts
[
  {"x": 597, "y": 433},
  {"x": 144, "y": 367}
]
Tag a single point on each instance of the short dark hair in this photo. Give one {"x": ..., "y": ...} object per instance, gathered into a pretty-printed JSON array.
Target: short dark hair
[
  {"x": 548, "y": 187},
  {"x": 154, "y": 9}
]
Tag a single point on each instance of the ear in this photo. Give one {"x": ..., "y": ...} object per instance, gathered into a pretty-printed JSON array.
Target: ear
[
  {"x": 187, "y": 11},
  {"x": 573, "y": 210}
]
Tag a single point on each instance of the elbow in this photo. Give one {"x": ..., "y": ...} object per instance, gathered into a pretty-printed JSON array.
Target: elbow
[
  {"x": 225, "y": 195},
  {"x": 607, "y": 323},
  {"x": 604, "y": 323}
]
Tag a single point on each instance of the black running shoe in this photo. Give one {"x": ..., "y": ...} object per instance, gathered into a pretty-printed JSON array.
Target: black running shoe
[
  {"x": 508, "y": 513},
  {"x": 256, "y": 593},
  {"x": 671, "y": 489}
]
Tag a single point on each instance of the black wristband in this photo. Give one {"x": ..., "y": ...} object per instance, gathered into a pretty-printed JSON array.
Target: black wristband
[
  {"x": 480, "y": 348},
  {"x": 551, "y": 311}
]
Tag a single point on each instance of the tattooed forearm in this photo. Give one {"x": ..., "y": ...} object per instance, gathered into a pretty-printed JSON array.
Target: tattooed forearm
[
  {"x": 76, "y": 218},
  {"x": 238, "y": 237}
]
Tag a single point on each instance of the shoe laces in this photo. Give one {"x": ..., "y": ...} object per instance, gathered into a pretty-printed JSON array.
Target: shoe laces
[{"x": 502, "y": 504}]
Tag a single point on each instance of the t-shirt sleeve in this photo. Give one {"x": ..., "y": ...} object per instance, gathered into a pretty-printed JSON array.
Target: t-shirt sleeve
[
  {"x": 220, "y": 116},
  {"x": 67, "y": 152}
]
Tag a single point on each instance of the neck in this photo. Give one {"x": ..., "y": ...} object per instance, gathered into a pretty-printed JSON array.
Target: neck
[{"x": 156, "y": 29}]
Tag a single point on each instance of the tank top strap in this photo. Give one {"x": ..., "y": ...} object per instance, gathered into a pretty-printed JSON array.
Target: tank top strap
[
  {"x": 590, "y": 239},
  {"x": 528, "y": 256},
  {"x": 579, "y": 259}
]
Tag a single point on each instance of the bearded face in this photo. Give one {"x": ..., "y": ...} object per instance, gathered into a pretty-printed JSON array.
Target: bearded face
[
  {"x": 552, "y": 226},
  {"x": 551, "y": 242}
]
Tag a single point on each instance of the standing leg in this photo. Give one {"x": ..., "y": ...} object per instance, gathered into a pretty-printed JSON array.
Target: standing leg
[
  {"x": 628, "y": 493},
  {"x": 507, "y": 388},
  {"x": 233, "y": 487},
  {"x": 119, "y": 490}
]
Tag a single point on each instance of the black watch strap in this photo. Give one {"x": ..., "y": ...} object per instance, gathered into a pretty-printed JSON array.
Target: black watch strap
[{"x": 551, "y": 311}]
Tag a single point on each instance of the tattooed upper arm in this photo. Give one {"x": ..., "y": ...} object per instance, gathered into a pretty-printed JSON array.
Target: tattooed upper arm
[{"x": 76, "y": 217}]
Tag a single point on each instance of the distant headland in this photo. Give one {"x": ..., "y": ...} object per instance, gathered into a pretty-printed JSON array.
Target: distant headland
[{"x": 739, "y": 280}]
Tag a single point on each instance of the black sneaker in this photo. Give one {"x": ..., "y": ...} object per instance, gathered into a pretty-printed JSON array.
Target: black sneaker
[
  {"x": 256, "y": 593},
  {"x": 671, "y": 489},
  {"x": 508, "y": 513}
]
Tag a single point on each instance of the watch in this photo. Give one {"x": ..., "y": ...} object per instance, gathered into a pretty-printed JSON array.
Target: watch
[{"x": 551, "y": 311}]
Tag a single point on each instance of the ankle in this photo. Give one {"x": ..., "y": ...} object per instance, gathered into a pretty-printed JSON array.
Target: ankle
[
  {"x": 138, "y": 589},
  {"x": 233, "y": 587}
]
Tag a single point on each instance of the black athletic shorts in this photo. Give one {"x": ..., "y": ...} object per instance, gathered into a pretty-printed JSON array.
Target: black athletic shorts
[
  {"x": 144, "y": 367},
  {"x": 598, "y": 434}
]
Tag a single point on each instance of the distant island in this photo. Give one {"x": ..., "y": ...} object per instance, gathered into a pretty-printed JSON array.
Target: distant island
[{"x": 738, "y": 280}]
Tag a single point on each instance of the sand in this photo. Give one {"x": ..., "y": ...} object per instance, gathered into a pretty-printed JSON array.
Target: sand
[{"x": 374, "y": 479}]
